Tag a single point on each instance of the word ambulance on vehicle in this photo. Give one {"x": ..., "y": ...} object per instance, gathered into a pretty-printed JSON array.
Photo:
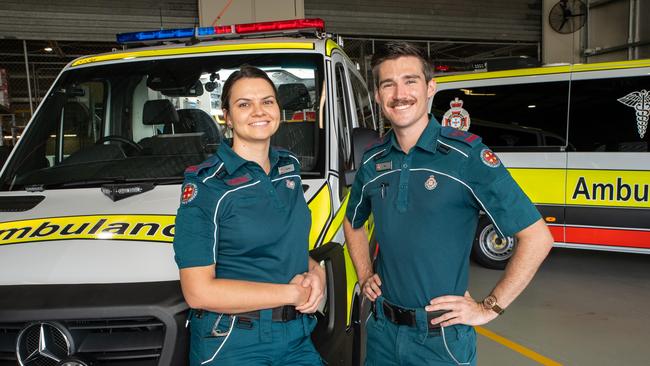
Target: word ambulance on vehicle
[
  {"x": 574, "y": 137},
  {"x": 89, "y": 194}
]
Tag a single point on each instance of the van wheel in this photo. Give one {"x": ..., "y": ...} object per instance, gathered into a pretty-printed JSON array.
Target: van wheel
[{"x": 490, "y": 250}]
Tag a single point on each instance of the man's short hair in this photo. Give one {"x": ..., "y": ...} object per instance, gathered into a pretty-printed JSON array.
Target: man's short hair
[{"x": 394, "y": 50}]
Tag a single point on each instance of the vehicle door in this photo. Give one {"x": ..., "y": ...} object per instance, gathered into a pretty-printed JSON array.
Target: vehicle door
[{"x": 608, "y": 177}]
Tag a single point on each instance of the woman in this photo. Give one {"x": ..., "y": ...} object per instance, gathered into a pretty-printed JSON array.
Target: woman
[{"x": 241, "y": 241}]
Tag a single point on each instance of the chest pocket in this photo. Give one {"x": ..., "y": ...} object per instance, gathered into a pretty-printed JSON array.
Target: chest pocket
[{"x": 381, "y": 195}]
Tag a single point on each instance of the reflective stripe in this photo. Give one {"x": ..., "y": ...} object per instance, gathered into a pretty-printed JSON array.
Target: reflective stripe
[
  {"x": 377, "y": 153},
  {"x": 232, "y": 323},
  {"x": 444, "y": 340},
  {"x": 288, "y": 176},
  {"x": 363, "y": 188},
  {"x": 213, "y": 174},
  {"x": 296, "y": 159},
  {"x": 471, "y": 190},
  {"x": 216, "y": 210},
  {"x": 451, "y": 147}
]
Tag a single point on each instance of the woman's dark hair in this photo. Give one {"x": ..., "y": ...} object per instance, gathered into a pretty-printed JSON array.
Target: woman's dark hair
[
  {"x": 245, "y": 71},
  {"x": 394, "y": 50}
]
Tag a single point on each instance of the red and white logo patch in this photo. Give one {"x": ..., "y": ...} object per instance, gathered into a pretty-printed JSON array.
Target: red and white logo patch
[
  {"x": 489, "y": 158},
  {"x": 456, "y": 116},
  {"x": 189, "y": 193}
]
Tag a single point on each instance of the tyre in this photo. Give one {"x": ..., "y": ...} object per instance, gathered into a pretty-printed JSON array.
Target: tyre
[{"x": 490, "y": 250}]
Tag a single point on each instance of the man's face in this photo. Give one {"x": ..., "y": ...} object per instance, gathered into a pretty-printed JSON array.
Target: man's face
[{"x": 403, "y": 91}]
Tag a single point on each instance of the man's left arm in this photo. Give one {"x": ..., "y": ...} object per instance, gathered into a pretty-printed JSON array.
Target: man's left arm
[
  {"x": 533, "y": 244},
  {"x": 513, "y": 215}
]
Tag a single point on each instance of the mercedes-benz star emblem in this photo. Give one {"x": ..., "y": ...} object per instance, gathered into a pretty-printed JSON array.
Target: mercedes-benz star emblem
[{"x": 45, "y": 343}]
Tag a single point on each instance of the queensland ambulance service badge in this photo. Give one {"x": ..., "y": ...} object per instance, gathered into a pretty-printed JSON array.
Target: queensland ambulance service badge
[
  {"x": 430, "y": 184},
  {"x": 489, "y": 158},
  {"x": 456, "y": 117},
  {"x": 189, "y": 193}
]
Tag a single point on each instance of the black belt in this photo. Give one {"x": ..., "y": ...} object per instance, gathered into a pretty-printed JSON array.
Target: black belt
[
  {"x": 280, "y": 314},
  {"x": 402, "y": 316}
]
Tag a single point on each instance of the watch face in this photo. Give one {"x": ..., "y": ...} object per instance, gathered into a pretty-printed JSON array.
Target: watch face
[{"x": 489, "y": 302}]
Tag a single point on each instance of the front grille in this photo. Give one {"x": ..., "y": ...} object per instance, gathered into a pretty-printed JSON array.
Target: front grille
[{"x": 110, "y": 342}]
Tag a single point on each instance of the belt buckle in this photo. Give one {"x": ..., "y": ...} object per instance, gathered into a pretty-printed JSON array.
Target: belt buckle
[{"x": 404, "y": 316}]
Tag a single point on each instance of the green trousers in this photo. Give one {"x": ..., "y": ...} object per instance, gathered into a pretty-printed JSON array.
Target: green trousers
[
  {"x": 390, "y": 344},
  {"x": 221, "y": 339}
]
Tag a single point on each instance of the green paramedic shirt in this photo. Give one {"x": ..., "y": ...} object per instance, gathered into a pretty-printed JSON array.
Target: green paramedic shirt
[
  {"x": 254, "y": 226},
  {"x": 426, "y": 206}
]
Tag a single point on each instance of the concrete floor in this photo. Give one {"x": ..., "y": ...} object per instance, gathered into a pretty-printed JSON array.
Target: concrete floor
[{"x": 582, "y": 308}]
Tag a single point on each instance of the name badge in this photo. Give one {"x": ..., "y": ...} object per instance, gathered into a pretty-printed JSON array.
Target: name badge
[
  {"x": 286, "y": 169},
  {"x": 384, "y": 166}
]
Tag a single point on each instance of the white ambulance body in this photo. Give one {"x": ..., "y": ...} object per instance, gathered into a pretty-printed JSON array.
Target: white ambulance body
[{"x": 89, "y": 195}]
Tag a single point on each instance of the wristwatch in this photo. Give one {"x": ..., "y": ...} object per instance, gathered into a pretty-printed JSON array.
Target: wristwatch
[{"x": 490, "y": 303}]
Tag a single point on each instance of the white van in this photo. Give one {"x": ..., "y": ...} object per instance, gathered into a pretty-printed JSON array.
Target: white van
[
  {"x": 574, "y": 137},
  {"x": 88, "y": 195}
]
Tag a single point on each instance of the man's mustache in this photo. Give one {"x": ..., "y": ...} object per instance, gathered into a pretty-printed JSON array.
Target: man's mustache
[{"x": 400, "y": 102}]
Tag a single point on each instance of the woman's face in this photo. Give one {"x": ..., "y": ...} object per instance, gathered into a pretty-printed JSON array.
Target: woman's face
[{"x": 254, "y": 114}]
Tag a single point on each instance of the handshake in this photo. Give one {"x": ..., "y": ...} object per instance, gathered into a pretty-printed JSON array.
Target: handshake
[{"x": 308, "y": 289}]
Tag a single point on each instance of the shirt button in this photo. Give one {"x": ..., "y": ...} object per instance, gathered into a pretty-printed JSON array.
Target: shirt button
[
  {"x": 403, "y": 186},
  {"x": 405, "y": 165}
]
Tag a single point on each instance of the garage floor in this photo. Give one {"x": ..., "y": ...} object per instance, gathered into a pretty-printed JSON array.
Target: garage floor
[{"x": 582, "y": 308}]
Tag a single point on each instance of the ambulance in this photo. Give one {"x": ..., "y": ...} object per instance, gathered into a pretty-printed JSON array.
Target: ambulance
[
  {"x": 89, "y": 195},
  {"x": 574, "y": 137}
]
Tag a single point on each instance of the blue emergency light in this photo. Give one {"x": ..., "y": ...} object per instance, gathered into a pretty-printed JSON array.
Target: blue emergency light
[
  {"x": 161, "y": 35},
  {"x": 282, "y": 26}
]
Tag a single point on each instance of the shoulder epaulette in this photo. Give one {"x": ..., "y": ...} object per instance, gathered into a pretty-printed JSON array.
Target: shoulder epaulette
[
  {"x": 462, "y": 136},
  {"x": 196, "y": 169},
  {"x": 287, "y": 154},
  {"x": 373, "y": 145}
]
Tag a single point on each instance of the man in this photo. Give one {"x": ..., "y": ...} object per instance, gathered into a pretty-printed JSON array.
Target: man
[{"x": 425, "y": 186}]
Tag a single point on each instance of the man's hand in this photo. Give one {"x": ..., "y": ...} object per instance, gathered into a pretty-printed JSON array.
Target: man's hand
[
  {"x": 463, "y": 310},
  {"x": 315, "y": 280},
  {"x": 371, "y": 287},
  {"x": 301, "y": 293}
]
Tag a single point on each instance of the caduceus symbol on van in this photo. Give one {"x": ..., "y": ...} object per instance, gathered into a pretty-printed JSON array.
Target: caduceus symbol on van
[{"x": 640, "y": 101}]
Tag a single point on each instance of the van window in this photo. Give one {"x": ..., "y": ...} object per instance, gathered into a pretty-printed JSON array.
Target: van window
[
  {"x": 520, "y": 117},
  {"x": 81, "y": 121},
  {"x": 362, "y": 102},
  {"x": 147, "y": 120},
  {"x": 609, "y": 115}
]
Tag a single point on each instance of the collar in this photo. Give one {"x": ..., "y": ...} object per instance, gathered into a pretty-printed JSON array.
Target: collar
[
  {"x": 428, "y": 140},
  {"x": 232, "y": 161}
]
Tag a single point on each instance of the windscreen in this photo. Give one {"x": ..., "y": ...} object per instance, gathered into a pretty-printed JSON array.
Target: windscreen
[{"x": 148, "y": 120}]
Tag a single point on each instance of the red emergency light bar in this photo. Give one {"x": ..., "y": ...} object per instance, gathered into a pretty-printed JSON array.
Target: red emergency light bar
[
  {"x": 227, "y": 31},
  {"x": 282, "y": 25}
]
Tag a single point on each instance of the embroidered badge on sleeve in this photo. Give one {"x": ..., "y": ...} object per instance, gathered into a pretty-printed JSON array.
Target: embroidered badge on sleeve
[
  {"x": 189, "y": 193},
  {"x": 489, "y": 158}
]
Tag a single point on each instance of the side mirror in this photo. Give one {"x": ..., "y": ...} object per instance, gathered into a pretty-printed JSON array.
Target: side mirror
[{"x": 362, "y": 139}]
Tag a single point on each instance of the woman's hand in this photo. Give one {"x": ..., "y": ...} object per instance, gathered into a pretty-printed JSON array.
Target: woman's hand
[
  {"x": 315, "y": 281},
  {"x": 300, "y": 293}
]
